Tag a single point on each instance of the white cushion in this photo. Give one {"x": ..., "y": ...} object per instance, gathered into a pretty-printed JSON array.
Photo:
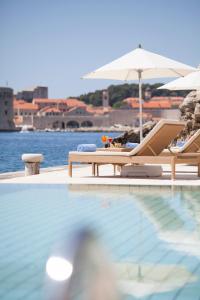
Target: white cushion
[
  {"x": 141, "y": 171},
  {"x": 32, "y": 157},
  {"x": 189, "y": 142},
  {"x": 100, "y": 153}
]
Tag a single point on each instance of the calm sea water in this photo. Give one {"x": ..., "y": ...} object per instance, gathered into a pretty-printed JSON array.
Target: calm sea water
[{"x": 53, "y": 145}]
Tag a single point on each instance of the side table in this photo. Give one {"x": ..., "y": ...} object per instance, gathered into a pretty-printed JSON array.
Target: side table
[{"x": 110, "y": 149}]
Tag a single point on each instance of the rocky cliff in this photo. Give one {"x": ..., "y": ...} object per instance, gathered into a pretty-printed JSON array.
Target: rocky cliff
[
  {"x": 133, "y": 135},
  {"x": 190, "y": 112}
]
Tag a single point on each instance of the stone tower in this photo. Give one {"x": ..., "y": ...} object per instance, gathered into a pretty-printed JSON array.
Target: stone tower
[
  {"x": 105, "y": 99},
  {"x": 6, "y": 109}
]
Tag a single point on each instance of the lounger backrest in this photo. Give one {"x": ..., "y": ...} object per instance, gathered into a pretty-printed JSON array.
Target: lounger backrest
[
  {"x": 159, "y": 138},
  {"x": 193, "y": 144}
]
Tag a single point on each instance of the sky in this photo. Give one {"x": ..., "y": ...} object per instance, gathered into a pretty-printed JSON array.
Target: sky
[{"x": 55, "y": 42}]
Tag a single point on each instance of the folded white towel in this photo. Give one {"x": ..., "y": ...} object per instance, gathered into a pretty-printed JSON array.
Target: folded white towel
[{"x": 86, "y": 148}]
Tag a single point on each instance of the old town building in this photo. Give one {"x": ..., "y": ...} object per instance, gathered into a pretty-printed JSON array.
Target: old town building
[{"x": 73, "y": 113}]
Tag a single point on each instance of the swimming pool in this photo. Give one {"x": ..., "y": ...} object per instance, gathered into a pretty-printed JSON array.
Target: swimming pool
[{"x": 152, "y": 235}]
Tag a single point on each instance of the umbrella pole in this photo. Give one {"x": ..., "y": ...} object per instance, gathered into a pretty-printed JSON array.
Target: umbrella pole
[{"x": 140, "y": 102}]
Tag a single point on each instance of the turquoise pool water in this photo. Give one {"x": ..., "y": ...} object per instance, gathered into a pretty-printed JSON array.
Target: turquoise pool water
[{"x": 153, "y": 235}]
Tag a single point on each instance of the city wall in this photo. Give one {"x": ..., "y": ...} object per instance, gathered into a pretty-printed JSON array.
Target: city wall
[{"x": 122, "y": 116}]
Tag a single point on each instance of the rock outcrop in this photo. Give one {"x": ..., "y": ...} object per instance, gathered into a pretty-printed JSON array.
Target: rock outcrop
[
  {"x": 133, "y": 135},
  {"x": 190, "y": 112}
]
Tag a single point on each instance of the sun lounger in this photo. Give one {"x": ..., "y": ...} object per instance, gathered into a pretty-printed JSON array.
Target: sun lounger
[
  {"x": 191, "y": 146},
  {"x": 147, "y": 152}
]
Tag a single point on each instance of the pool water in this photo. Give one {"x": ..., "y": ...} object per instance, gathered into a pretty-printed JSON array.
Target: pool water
[{"x": 151, "y": 235}]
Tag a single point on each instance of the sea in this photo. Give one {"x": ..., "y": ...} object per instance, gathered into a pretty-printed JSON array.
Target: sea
[{"x": 53, "y": 145}]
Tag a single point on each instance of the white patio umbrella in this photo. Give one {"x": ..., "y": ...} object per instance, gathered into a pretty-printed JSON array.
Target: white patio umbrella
[
  {"x": 189, "y": 82},
  {"x": 140, "y": 64}
]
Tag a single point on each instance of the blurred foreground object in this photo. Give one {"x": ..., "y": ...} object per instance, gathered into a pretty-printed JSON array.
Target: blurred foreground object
[{"x": 82, "y": 271}]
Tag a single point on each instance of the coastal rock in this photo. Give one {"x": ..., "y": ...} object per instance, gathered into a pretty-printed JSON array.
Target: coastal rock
[
  {"x": 133, "y": 135},
  {"x": 190, "y": 112}
]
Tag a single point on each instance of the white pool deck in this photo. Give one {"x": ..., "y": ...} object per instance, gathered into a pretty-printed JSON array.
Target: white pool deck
[{"x": 82, "y": 175}]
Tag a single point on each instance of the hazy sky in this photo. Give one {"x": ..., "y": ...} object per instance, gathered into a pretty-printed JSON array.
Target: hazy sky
[{"x": 55, "y": 42}]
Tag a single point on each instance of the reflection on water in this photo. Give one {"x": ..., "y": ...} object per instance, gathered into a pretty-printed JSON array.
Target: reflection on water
[
  {"x": 178, "y": 225},
  {"x": 147, "y": 279}
]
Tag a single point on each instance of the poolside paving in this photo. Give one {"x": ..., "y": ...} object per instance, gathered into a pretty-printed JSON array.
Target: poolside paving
[{"x": 82, "y": 175}]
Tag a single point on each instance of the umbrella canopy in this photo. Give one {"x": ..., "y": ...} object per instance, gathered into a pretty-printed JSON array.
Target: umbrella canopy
[
  {"x": 140, "y": 64},
  {"x": 150, "y": 64},
  {"x": 189, "y": 82}
]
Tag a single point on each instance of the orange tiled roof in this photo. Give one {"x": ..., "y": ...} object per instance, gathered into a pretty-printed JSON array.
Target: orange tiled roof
[
  {"x": 50, "y": 109},
  {"x": 153, "y": 104},
  {"x": 156, "y": 104},
  {"x": 53, "y": 109},
  {"x": 75, "y": 102},
  {"x": 69, "y": 102},
  {"x": 155, "y": 98},
  {"x": 38, "y": 100},
  {"x": 19, "y": 101},
  {"x": 23, "y": 105},
  {"x": 131, "y": 100},
  {"x": 100, "y": 110},
  {"x": 174, "y": 101},
  {"x": 161, "y": 98},
  {"x": 89, "y": 109},
  {"x": 74, "y": 108}
]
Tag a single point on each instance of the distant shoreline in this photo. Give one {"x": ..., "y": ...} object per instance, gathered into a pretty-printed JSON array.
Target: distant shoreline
[
  {"x": 96, "y": 129},
  {"x": 92, "y": 129},
  {"x": 10, "y": 130}
]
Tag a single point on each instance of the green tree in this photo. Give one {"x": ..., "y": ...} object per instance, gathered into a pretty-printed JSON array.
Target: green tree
[{"x": 118, "y": 93}]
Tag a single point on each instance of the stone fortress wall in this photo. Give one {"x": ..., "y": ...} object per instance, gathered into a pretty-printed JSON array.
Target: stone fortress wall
[
  {"x": 118, "y": 116},
  {"x": 123, "y": 117},
  {"x": 6, "y": 109}
]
